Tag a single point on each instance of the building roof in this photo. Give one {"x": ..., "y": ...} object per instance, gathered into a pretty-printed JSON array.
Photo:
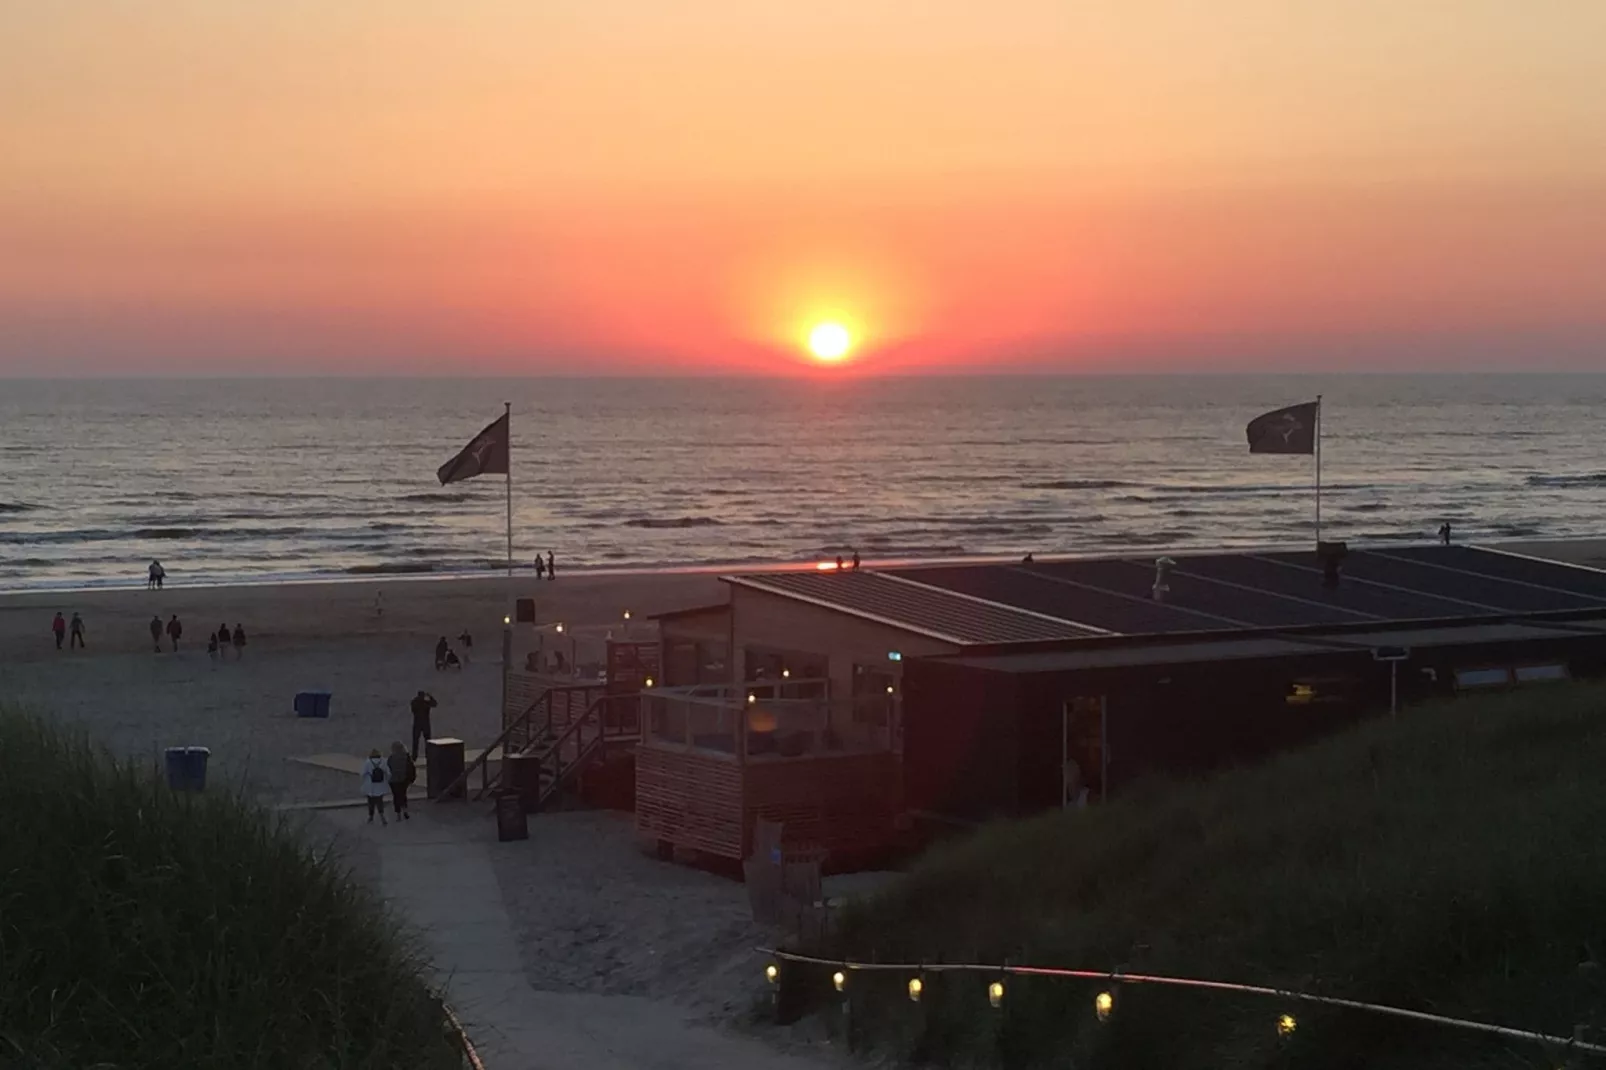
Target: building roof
[
  {"x": 1228, "y": 648},
  {"x": 915, "y": 607},
  {"x": 988, "y": 605}
]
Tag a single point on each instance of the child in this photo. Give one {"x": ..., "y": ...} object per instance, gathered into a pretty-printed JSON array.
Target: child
[{"x": 375, "y": 785}]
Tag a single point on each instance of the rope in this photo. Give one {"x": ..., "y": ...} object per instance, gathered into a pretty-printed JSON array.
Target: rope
[
  {"x": 1570, "y": 1043},
  {"x": 469, "y": 1053}
]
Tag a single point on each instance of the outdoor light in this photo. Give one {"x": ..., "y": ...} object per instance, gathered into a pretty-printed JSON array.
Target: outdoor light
[
  {"x": 786, "y": 673},
  {"x": 840, "y": 980},
  {"x": 560, "y": 626},
  {"x": 889, "y": 689},
  {"x": 627, "y": 614},
  {"x": 507, "y": 620},
  {"x": 1286, "y": 1025},
  {"x": 893, "y": 655},
  {"x": 916, "y": 986},
  {"x": 771, "y": 972},
  {"x": 1103, "y": 1004},
  {"x": 995, "y": 993},
  {"x": 751, "y": 698},
  {"x": 649, "y": 681}
]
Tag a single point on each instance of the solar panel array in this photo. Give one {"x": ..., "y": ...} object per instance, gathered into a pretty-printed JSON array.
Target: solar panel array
[{"x": 998, "y": 604}]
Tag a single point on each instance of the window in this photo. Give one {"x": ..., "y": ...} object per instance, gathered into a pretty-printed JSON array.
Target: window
[
  {"x": 1472, "y": 678},
  {"x": 873, "y": 691},
  {"x": 1535, "y": 673}
]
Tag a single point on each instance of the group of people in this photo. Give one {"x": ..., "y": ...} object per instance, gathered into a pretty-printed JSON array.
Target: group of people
[
  {"x": 547, "y": 569},
  {"x": 154, "y": 576},
  {"x": 217, "y": 643},
  {"x": 391, "y": 776},
  {"x": 62, "y": 629},
  {"x": 446, "y": 657}
]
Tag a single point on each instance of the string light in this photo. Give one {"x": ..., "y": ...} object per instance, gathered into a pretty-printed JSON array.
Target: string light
[
  {"x": 1103, "y": 1004},
  {"x": 995, "y": 993},
  {"x": 751, "y": 698},
  {"x": 786, "y": 674},
  {"x": 1286, "y": 1025},
  {"x": 840, "y": 980},
  {"x": 916, "y": 986},
  {"x": 649, "y": 681},
  {"x": 627, "y": 614},
  {"x": 889, "y": 689},
  {"x": 507, "y": 620},
  {"x": 560, "y": 627},
  {"x": 771, "y": 972}
]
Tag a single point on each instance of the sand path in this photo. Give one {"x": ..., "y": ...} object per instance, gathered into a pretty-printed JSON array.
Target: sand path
[{"x": 438, "y": 876}]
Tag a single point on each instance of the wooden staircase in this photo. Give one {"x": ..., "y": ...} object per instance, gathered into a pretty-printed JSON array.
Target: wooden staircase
[{"x": 567, "y": 729}]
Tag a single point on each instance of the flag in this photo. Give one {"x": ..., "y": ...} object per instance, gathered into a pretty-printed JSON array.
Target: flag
[
  {"x": 1290, "y": 430},
  {"x": 486, "y": 455}
]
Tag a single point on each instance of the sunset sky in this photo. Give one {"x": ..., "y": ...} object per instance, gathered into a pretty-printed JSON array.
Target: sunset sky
[{"x": 666, "y": 186}]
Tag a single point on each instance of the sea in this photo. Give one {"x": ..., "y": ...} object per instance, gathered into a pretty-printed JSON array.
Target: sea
[{"x": 277, "y": 479}]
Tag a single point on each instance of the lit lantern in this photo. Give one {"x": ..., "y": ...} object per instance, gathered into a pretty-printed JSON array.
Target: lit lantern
[
  {"x": 995, "y": 993},
  {"x": 916, "y": 986},
  {"x": 507, "y": 620},
  {"x": 771, "y": 972},
  {"x": 889, "y": 689},
  {"x": 1103, "y": 1004},
  {"x": 760, "y": 720},
  {"x": 839, "y": 980},
  {"x": 751, "y": 698},
  {"x": 786, "y": 674},
  {"x": 649, "y": 681},
  {"x": 1286, "y": 1025}
]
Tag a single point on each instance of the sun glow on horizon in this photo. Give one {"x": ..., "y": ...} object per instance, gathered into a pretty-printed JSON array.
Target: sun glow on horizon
[{"x": 830, "y": 342}]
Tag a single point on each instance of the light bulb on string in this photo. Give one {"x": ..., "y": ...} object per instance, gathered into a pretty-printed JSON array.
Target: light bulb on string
[
  {"x": 995, "y": 993},
  {"x": 839, "y": 980},
  {"x": 771, "y": 972},
  {"x": 1103, "y": 1004},
  {"x": 1286, "y": 1025},
  {"x": 916, "y": 987}
]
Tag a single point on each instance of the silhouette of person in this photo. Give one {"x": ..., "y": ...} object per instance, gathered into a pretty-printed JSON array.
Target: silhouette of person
[
  {"x": 59, "y": 626},
  {"x": 855, "y": 560},
  {"x": 174, "y": 630},
  {"x": 156, "y": 632},
  {"x": 839, "y": 562},
  {"x": 77, "y": 629},
  {"x": 540, "y": 567},
  {"x": 239, "y": 641},
  {"x": 1028, "y": 559},
  {"x": 551, "y": 566},
  {"x": 441, "y": 647},
  {"x": 422, "y": 703},
  {"x": 1444, "y": 533}
]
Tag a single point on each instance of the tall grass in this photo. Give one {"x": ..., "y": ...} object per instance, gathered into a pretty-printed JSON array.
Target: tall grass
[
  {"x": 140, "y": 928},
  {"x": 1453, "y": 862}
]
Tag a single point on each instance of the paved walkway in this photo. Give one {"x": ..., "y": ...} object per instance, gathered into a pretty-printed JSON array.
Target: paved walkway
[{"x": 439, "y": 876}]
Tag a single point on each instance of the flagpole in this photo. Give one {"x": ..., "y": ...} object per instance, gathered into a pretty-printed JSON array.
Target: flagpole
[
  {"x": 508, "y": 412},
  {"x": 1318, "y": 470}
]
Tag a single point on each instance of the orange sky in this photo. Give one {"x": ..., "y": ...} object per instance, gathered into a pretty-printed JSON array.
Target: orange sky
[{"x": 584, "y": 186}]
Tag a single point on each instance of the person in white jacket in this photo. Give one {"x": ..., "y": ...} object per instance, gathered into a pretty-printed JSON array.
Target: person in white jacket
[{"x": 375, "y": 785}]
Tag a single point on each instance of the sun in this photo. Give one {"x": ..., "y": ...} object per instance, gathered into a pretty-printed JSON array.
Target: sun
[{"x": 830, "y": 341}]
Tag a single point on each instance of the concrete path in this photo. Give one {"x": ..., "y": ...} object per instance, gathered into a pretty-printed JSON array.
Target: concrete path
[{"x": 439, "y": 876}]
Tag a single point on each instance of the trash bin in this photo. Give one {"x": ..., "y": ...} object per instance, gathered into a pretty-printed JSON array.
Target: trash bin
[
  {"x": 511, "y": 822},
  {"x": 312, "y": 704},
  {"x": 186, "y": 768},
  {"x": 521, "y": 776},
  {"x": 443, "y": 763}
]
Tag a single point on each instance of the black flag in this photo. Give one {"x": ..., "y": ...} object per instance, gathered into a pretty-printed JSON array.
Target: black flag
[
  {"x": 1290, "y": 430},
  {"x": 486, "y": 455}
]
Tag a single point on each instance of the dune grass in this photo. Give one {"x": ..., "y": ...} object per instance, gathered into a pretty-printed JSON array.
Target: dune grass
[
  {"x": 141, "y": 928},
  {"x": 1453, "y": 861}
]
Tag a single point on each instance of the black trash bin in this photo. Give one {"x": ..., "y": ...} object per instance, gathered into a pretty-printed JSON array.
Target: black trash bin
[
  {"x": 511, "y": 821},
  {"x": 521, "y": 776},
  {"x": 186, "y": 768},
  {"x": 443, "y": 764}
]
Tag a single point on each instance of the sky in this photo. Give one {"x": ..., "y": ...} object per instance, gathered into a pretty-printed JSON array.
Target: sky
[{"x": 581, "y": 187}]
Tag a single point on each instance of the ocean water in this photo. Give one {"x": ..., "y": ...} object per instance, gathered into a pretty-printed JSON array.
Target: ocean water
[{"x": 227, "y": 480}]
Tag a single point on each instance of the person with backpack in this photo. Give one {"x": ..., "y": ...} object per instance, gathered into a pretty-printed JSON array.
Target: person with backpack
[
  {"x": 375, "y": 781},
  {"x": 402, "y": 774}
]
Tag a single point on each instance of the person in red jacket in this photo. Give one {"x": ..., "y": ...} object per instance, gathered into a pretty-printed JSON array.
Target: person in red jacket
[{"x": 59, "y": 626}]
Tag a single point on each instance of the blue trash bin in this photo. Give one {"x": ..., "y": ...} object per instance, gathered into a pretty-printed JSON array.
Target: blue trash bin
[
  {"x": 186, "y": 768},
  {"x": 313, "y": 704}
]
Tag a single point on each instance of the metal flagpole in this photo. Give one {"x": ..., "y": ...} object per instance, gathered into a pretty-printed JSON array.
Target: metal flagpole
[
  {"x": 1318, "y": 469},
  {"x": 508, "y": 412}
]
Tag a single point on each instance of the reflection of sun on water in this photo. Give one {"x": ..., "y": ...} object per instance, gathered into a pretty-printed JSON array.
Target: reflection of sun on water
[{"x": 830, "y": 341}]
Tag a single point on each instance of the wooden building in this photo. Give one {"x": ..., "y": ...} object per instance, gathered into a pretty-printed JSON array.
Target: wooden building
[{"x": 840, "y": 702}]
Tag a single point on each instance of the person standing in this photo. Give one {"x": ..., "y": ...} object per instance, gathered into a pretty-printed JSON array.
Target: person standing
[
  {"x": 239, "y": 641},
  {"x": 540, "y": 567},
  {"x": 1444, "y": 533},
  {"x": 402, "y": 774},
  {"x": 223, "y": 641},
  {"x": 441, "y": 647},
  {"x": 551, "y": 566},
  {"x": 174, "y": 630},
  {"x": 468, "y": 645},
  {"x": 77, "y": 629},
  {"x": 59, "y": 626},
  {"x": 156, "y": 632},
  {"x": 422, "y": 703},
  {"x": 157, "y": 575},
  {"x": 375, "y": 785}
]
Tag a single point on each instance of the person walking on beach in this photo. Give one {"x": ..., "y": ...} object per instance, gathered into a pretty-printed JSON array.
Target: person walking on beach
[
  {"x": 1444, "y": 533},
  {"x": 375, "y": 785},
  {"x": 77, "y": 629},
  {"x": 156, "y": 632},
  {"x": 468, "y": 645},
  {"x": 422, "y": 703},
  {"x": 59, "y": 626},
  {"x": 211, "y": 649},
  {"x": 402, "y": 774},
  {"x": 155, "y": 575},
  {"x": 239, "y": 641},
  {"x": 441, "y": 649},
  {"x": 855, "y": 560},
  {"x": 551, "y": 566},
  {"x": 223, "y": 641},
  {"x": 174, "y": 630}
]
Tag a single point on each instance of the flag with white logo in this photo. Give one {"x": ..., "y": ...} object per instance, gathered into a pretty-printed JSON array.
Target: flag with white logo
[
  {"x": 487, "y": 454},
  {"x": 1290, "y": 430}
]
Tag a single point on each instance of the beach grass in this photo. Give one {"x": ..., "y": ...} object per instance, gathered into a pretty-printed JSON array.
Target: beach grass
[
  {"x": 1452, "y": 861},
  {"x": 140, "y": 927}
]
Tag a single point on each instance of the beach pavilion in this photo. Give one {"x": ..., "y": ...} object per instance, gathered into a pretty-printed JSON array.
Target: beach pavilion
[{"x": 849, "y": 704}]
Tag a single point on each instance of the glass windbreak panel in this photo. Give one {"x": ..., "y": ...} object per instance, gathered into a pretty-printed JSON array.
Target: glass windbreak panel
[
  {"x": 1468, "y": 678},
  {"x": 1534, "y": 673}
]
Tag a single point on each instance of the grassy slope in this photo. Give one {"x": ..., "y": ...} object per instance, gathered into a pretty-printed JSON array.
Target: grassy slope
[
  {"x": 143, "y": 929},
  {"x": 1454, "y": 861}
]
